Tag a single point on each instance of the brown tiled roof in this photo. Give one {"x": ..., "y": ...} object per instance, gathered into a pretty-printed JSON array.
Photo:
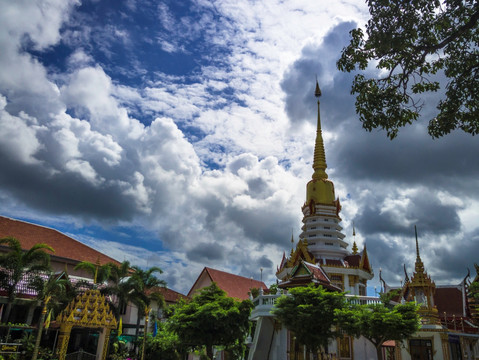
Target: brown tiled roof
[
  {"x": 235, "y": 286},
  {"x": 353, "y": 260},
  {"x": 333, "y": 262},
  {"x": 449, "y": 300},
  {"x": 171, "y": 296},
  {"x": 65, "y": 247}
]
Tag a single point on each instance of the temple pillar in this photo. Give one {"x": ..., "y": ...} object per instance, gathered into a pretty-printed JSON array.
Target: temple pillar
[
  {"x": 63, "y": 339},
  {"x": 103, "y": 342},
  {"x": 31, "y": 310}
]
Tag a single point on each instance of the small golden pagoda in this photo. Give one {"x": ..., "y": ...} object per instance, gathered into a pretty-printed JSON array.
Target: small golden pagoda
[{"x": 421, "y": 289}]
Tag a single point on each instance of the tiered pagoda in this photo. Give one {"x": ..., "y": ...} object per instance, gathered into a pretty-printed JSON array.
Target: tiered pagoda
[{"x": 321, "y": 253}]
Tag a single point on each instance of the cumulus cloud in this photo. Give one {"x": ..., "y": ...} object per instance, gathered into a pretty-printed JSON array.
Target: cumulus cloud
[{"x": 197, "y": 126}]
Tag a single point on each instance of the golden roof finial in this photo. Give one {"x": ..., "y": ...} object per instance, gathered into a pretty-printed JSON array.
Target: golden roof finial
[
  {"x": 355, "y": 248},
  {"x": 419, "y": 264},
  {"x": 319, "y": 160}
]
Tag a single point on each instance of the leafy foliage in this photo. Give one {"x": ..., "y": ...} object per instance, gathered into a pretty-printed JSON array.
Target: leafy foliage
[
  {"x": 165, "y": 345},
  {"x": 474, "y": 290},
  {"x": 16, "y": 265},
  {"x": 309, "y": 312},
  {"x": 412, "y": 43},
  {"x": 212, "y": 319},
  {"x": 379, "y": 323}
]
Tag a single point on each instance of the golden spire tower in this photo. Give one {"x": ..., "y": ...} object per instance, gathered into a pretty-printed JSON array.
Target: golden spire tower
[
  {"x": 319, "y": 190},
  {"x": 319, "y": 159}
]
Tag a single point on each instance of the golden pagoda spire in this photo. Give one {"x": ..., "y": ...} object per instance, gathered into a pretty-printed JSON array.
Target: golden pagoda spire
[
  {"x": 419, "y": 266},
  {"x": 319, "y": 160},
  {"x": 355, "y": 246}
]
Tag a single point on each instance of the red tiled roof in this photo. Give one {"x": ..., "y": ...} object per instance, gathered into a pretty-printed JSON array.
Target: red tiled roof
[
  {"x": 30, "y": 234},
  {"x": 171, "y": 296},
  {"x": 235, "y": 286},
  {"x": 449, "y": 300},
  {"x": 318, "y": 273}
]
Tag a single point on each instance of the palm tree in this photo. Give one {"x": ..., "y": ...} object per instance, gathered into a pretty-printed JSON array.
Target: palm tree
[
  {"x": 144, "y": 285},
  {"x": 100, "y": 273},
  {"x": 52, "y": 292},
  {"x": 17, "y": 265},
  {"x": 119, "y": 286}
]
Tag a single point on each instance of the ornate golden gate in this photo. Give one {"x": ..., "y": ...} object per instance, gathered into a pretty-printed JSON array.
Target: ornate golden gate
[{"x": 88, "y": 310}]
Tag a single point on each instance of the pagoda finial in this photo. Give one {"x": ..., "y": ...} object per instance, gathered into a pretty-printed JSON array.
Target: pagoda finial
[
  {"x": 319, "y": 160},
  {"x": 355, "y": 248},
  {"x": 419, "y": 264}
]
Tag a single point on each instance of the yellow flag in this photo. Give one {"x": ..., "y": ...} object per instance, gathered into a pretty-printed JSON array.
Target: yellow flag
[
  {"x": 47, "y": 321},
  {"x": 120, "y": 325}
]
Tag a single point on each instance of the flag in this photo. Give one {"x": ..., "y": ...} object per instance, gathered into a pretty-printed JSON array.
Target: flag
[
  {"x": 120, "y": 327},
  {"x": 47, "y": 321},
  {"x": 155, "y": 329}
]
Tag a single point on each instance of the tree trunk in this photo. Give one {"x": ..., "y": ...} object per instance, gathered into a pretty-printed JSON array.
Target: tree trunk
[
  {"x": 137, "y": 331},
  {"x": 379, "y": 352},
  {"x": 209, "y": 351},
  {"x": 39, "y": 333},
  {"x": 6, "y": 313}
]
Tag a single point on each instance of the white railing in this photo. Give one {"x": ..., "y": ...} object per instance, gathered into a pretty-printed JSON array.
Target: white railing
[
  {"x": 264, "y": 304},
  {"x": 363, "y": 300}
]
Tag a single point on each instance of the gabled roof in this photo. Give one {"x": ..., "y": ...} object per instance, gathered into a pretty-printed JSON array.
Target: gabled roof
[
  {"x": 305, "y": 273},
  {"x": 235, "y": 286},
  {"x": 65, "y": 247},
  {"x": 449, "y": 300},
  {"x": 170, "y": 296}
]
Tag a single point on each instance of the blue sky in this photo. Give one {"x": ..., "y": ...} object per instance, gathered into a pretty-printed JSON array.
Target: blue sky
[{"x": 180, "y": 134}]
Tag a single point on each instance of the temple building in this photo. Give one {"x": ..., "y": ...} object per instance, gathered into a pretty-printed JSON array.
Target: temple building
[
  {"x": 322, "y": 244},
  {"x": 449, "y": 316},
  {"x": 449, "y": 313},
  {"x": 320, "y": 256}
]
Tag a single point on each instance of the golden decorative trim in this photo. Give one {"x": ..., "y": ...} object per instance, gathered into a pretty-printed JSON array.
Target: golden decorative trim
[{"x": 88, "y": 310}]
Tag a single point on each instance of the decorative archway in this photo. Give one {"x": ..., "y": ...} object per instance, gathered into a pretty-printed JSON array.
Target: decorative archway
[{"x": 88, "y": 310}]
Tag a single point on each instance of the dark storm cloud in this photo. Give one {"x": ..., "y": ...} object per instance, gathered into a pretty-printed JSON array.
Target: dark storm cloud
[
  {"x": 206, "y": 252},
  {"x": 412, "y": 158},
  {"x": 464, "y": 253},
  {"x": 298, "y": 82},
  {"x": 387, "y": 256},
  {"x": 423, "y": 209},
  {"x": 265, "y": 226},
  {"x": 61, "y": 191}
]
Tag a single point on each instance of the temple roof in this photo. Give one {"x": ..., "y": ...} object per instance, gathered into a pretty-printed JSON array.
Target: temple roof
[
  {"x": 235, "y": 286},
  {"x": 29, "y": 234}
]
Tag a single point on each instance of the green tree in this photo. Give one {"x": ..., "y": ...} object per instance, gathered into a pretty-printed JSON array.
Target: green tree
[
  {"x": 51, "y": 292},
  {"x": 119, "y": 286},
  {"x": 474, "y": 290},
  {"x": 99, "y": 273},
  {"x": 144, "y": 290},
  {"x": 17, "y": 265},
  {"x": 379, "y": 322},
  {"x": 165, "y": 345},
  {"x": 212, "y": 319},
  {"x": 411, "y": 42},
  {"x": 309, "y": 312}
]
